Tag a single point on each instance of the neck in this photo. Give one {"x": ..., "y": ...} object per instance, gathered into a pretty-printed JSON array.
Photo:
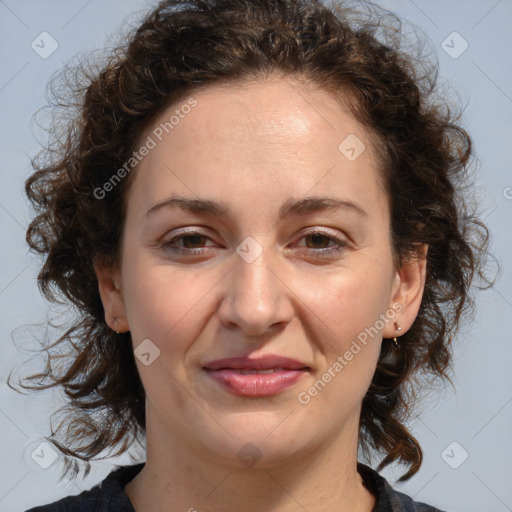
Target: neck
[{"x": 177, "y": 477}]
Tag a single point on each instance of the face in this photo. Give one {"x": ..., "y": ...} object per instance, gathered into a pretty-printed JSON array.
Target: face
[{"x": 263, "y": 271}]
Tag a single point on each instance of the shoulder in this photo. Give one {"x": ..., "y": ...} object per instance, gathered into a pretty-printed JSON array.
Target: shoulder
[
  {"x": 106, "y": 496},
  {"x": 389, "y": 500}
]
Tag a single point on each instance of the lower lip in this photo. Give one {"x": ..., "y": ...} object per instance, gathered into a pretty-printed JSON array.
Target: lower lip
[{"x": 256, "y": 384}]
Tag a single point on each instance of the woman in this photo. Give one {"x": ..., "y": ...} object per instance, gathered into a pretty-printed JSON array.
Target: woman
[{"x": 257, "y": 213}]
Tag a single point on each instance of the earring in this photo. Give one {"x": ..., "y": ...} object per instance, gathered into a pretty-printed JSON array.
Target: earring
[
  {"x": 115, "y": 326},
  {"x": 398, "y": 329}
]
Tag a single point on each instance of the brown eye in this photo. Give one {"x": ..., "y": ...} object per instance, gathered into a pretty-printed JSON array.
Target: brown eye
[
  {"x": 192, "y": 243},
  {"x": 319, "y": 239},
  {"x": 317, "y": 243}
]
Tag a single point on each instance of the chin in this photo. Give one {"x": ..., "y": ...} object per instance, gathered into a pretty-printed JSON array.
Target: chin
[{"x": 259, "y": 440}]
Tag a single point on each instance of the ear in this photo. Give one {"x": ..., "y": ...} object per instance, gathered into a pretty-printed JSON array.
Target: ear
[
  {"x": 109, "y": 284},
  {"x": 408, "y": 287}
]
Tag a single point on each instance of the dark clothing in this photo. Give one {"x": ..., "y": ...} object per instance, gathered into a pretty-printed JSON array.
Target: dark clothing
[{"x": 109, "y": 495}]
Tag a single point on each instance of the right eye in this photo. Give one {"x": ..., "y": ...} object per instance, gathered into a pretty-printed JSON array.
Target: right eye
[{"x": 190, "y": 243}]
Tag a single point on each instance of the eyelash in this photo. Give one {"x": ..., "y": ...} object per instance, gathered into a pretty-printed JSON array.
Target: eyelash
[{"x": 323, "y": 253}]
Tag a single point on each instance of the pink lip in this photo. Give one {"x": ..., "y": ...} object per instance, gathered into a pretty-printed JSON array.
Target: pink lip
[{"x": 228, "y": 373}]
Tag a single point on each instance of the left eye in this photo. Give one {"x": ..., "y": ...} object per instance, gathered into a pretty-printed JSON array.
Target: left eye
[
  {"x": 317, "y": 238},
  {"x": 321, "y": 238},
  {"x": 193, "y": 240}
]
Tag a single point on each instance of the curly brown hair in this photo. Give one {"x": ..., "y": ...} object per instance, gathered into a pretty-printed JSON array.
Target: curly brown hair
[{"x": 182, "y": 45}]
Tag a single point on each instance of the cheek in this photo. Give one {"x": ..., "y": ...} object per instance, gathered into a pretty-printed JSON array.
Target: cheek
[
  {"x": 353, "y": 299},
  {"x": 164, "y": 303},
  {"x": 352, "y": 306},
  {"x": 348, "y": 309}
]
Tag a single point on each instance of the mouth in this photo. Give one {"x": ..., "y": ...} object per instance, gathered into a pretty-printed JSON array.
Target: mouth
[{"x": 265, "y": 376}]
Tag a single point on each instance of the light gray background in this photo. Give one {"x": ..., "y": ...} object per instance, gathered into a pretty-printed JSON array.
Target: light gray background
[{"x": 478, "y": 416}]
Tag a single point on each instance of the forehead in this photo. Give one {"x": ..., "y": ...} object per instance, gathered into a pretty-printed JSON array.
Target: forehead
[
  {"x": 265, "y": 137},
  {"x": 276, "y": 111}
]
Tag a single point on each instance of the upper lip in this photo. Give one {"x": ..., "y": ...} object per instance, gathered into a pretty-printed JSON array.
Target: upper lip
[{"x": 265, "y": 362}]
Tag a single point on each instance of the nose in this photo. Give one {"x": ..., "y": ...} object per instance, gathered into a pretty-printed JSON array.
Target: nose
[{"x": 256, "y": 298}]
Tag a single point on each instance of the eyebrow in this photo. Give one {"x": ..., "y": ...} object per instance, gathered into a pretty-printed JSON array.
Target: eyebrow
[{"x": 302, "y": 206}]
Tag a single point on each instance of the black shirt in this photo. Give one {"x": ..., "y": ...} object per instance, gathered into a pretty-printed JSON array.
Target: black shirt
[{"x": 109, "y": 495}]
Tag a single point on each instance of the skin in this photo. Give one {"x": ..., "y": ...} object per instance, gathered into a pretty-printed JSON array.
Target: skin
[{"x": 253, "y": 146}]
